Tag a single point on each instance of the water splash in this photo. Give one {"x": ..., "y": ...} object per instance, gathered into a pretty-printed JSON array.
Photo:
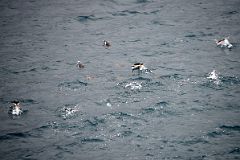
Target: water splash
[
  {"x": 68, "y": 112},
  {"x": 213, "y": 76},
  {"x": 134, "y": 86}
]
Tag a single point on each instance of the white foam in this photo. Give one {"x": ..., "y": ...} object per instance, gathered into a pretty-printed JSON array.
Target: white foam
[
  {"x": 16, "y": 111},
  {"x": 109, "y": 104},
  {"x": 68, "y": 112},
  {"x": 133, "y": 85},
  {"x": 213, "y": 75}
]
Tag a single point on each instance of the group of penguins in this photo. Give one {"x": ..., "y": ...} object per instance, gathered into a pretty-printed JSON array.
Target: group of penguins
[{"x": 16, "y": 109}]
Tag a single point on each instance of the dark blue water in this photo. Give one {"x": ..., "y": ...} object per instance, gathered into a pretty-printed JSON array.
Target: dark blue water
[{"x": 105, "y": 111}]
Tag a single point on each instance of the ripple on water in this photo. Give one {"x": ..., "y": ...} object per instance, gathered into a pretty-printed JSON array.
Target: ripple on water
[
  {"x": 89, "y": 18},
  {"x": 125, "y": 13},
  {"x": 235, "y": 150},
  {"x": 28, "y": 101},
  {"x": 104, "y": 102},
  {"x": 65, "y": 127},
  {"x": 124, "y": 116},
  {"x": 190, "y": 36},
  {"x": 230, "y": 13},
  {"x": 192, "y": 141},
  {"x": 154, "y": 84},
  {"x": 172, "y": 77},
  {"x": 121, "y": 115},
  {"x": 159, "y": 109},
  {"x": 74, "y": 85},
  {"x": 224, "y": 130},
  {"x": 85, "y": 18},
  {"x": 126, "y": 133},
  {"x": 133, "y": 13},
  {"x": 15, "y": 135},
  {"x": 142, "y": 1},
  {"x": 230, "y": 128},
  {"x": 91, "y": 140},
  {"x": 94, "y": 121},
  {"x": 230, "y": 80},
  {"x": 140, "y": 78}
]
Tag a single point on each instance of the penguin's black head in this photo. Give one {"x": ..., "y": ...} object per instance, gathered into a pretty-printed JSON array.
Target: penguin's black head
[{"x": 15, "y": 102}]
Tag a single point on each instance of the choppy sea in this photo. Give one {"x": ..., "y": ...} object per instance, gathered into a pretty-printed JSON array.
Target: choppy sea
[{"x": 105, "y": 111}]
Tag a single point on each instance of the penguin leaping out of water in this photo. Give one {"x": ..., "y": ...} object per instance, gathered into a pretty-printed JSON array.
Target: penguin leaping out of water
[
  {"x": 106, "y": 44},
  {"x": 140, "y": 67},
  {"x": 15, "y": 109},
  {"x": 224, "y": 43}
]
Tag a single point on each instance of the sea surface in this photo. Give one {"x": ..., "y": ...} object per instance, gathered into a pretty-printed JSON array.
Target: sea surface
[{"x": 105, "y": 111}]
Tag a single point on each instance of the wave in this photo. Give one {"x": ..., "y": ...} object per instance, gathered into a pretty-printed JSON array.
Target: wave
[
  {"x": 230, "y": 80},
  {"x": 95, "y": 121},
  {"x": 28, "y": 101},
  {"x": 133, "y": 12},
  {"x": 235, "y": 150},
  {"x": 159, "y": 109},
  {"x": 123, "y": 115},
  {"x": 86, "y": 18},
  {"x": 89, "y": 18},
  {"x": 27, "y": 70},
  {"x": 126, "y": 133},
  {"x": 142, "y": 1},
  {"x": 15, "y": 135},
  {"x": 172, "y": 76},
  {"x": 224, "y": 130},
  {"x": 228, "y": 14},
  {"x": 162, "y": 23},
  {"x": 73, "y": 85},
  {"x": 230, "y": 128},
  {"x": 91, "y": 140},
  {"x": 192, "y": 141}
]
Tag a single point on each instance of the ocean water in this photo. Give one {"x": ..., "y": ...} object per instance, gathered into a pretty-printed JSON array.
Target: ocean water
[{"x": 105, "y": 111}]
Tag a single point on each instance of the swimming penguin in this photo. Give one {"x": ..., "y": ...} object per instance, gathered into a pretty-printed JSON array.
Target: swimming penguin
[
  {"x": 140, "y": 67},
  {"x": 224, "y": 43},
  {"x": 80, "y": 65},
  {"x": 106, "y": 44},
  {"x": 15, "y": 109}
]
